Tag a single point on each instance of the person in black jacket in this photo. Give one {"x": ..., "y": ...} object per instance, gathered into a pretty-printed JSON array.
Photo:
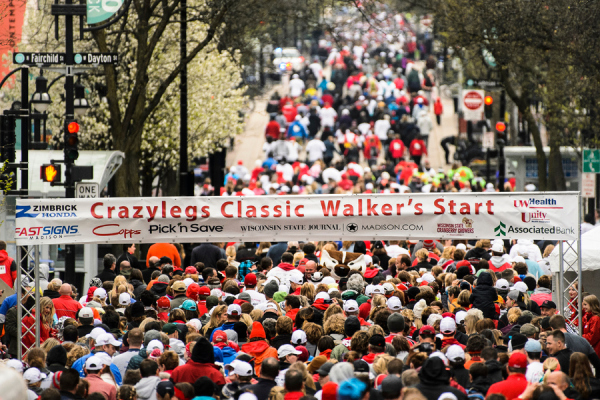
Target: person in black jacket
[
  {"x": 110, "y": 263},
  {"x": 484, "y": 295},
  {"x": 207, "y": 253},
  {"x": 494, "y": 368},
  {"x": 268, "y": 372},
  {"x": 479, "y": 379},
  {"x": 153, "y": 265},
  {"x": 247, "y": 252},
  {"x": 128, "y": 250},
  {"x": 456, "y": 358},
  {"x": 284, "y": 329},
  {"x": 435, "y": 379}
]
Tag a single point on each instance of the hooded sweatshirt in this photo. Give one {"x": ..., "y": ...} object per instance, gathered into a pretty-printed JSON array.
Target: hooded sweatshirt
[
  {"x": 498, "y": 264},
  {"x": 56, "y": 359},
  {"x": 435, "y": 380},
  {"x": 284, "y": 272},
  {"x": 201, "y": 364},
  {"x": 9, "y": 274},
  {"x": 259, "y": 349},
  {"x": 484, "y": 295},
  {"x": 44, "y": 276},
  {"x": 146, "y": 388}
]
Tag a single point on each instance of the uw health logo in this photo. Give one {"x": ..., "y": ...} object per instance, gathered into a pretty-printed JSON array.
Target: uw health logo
[{"x": 535, "y": 210}]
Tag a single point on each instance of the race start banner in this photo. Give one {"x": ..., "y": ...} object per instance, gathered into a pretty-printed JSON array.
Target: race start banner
[{"x": 540, "y": 215}]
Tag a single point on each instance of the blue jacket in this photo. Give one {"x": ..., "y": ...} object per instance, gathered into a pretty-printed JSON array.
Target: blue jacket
[
  {"x": 229, "y": 355},
  {"x": 228, "y": 326},
  {"x": 79, "y": 364},
  {"x": 532, "y": 267},
  {"x": 7, "y": 304},
  {"x": 296, "y": 129}
]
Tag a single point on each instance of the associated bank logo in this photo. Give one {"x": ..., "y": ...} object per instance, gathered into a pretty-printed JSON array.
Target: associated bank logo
[
  {"x": 23, "y": 212},
  {"x": 500, "y": 230}
]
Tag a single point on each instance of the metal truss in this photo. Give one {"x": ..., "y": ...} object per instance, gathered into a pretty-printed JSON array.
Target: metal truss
[
  {"x": 569, "y": 274},
  {"x": 29, "y": 281}
]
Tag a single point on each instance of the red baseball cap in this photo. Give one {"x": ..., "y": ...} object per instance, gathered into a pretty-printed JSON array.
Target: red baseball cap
[
  {"x": 427, "y": 329},
  {"x": 191, "y": 270},
  {"x": 204, "y": 291},
  {"x": 164, "y": 302},
  {"x": 402, "y": 287},
  {"x": 448, "y": 314},
  {"x": 371, "y": 272},
  {"x": 219, "y": 336},
  {"x": 250, "y": 280},
  {"x": 517, "y": 360},
  {"x": 303, "y": 262}
]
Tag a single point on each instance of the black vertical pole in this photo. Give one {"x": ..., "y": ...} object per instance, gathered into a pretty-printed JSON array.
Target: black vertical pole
[
  {"x": 183, "y": 107},
  {"x": 501, "y": 165},
  {"x": 487, "y": 165},
  {"x": 70, "y": 114},
  {"x": 25, "y": 128}
]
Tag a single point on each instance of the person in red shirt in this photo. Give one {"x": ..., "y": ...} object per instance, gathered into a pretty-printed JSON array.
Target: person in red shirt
[
  {"x": 93, "y": 367},
  {"x": 273, "y": 128},
  {"x": 376, "y": 347},
  {"x": 47, "y": 308},
  {"x": 372, "y": 147},
  {"x": 345, "y": 183},
  {"x": 591, "y": 321},
  {"x": 397, "y": 149},
  {"x": 65, "y": 305},
  {"x": 497, "y": 263},
  {"x": 8, "y": 267},
  {"x": 289, "y": 112},
  {"x": 164, "y": 305},
  {"x": 417, "y": 149},
  {"x": 201, "y": 364},
  {"x": 438, "y": 109},
  {"x": 515, "y": 384}
]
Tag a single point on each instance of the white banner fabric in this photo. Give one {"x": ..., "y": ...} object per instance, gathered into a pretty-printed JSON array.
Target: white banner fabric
[{"x": 539, "y": 215}]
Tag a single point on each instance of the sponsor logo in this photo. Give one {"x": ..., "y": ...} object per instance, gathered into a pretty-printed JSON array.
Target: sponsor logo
[
  {"x": 534, "y": 210},
  {"x": 23, "y": 212},
  {"x": 181, "y": 228},
  {"x": 466, "y": 226},
  {"x": 115, "y": 230},
  {"x": 48, "y": 232},
  {"x": 503, "y": 230},
  {"x": 55, "y": 207},
  {"x": 352, "y": 227},
  {"x": 392, "y": 227}
]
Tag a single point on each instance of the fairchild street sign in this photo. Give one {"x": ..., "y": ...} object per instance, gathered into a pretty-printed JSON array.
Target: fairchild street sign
[
  {"x": 591, "y": 161},
  {"x": 484, "y": 83},
  {"x": 96, "y": 58},
  {"x": 38, "y": 58}
]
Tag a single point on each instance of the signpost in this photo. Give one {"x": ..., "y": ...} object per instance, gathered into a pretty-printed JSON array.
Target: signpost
[
  {"x": 591, "y": 161},
  {"x": 39, "y": 58},
  {"x": 472, "y": 104},
  {"x": 588, "y": 185},
  {"x": 96, "y": 58}
]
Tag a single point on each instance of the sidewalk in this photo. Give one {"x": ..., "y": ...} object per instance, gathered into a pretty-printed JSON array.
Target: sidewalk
[{"x": 449, "y": 127}]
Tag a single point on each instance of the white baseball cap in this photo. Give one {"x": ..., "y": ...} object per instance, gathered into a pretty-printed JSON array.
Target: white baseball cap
[
  {"x": 455, "y": 352},
  {"x": 104, "y": 358},
  {"x": 350, "y": 306},
  {"x": 299, "y": 337},
  {"x": 100, "y": 292},
  {"x": 86, "y": 312},
  {"x": 322, "y": 295},
  {"x": 518, "y": 259},
  {"x": 196, "y": 323},
  {"x": 461, "y": 246},
  {"x": 188, "y": 281},
  {"x": 286, "y": 350},
  {"x": 460, "y": 316},
  {"x": 394, "y": 303},
  {"x": 328, "y": 280},
  {"x": 33, "y": 375},
  {"x": 271, "y": 306},
  {"x": 15, "y": 364},
  {"x": 448, "y": 325},
  {"x": 502, "y": 284},
  {"x": 427, "y": 277},
  {"x": 94, "y": 363},
  {"x": 520, "y": 286},
  {"x": 369, "y": 290},
  {"x": 388, "y": 287},
  {"x": 155, "y": 344},
  {"x": 234, "y": 309},
  {"x": 124, "y": 299},
  {"x": 95, "y": 333},
  {"x": 497, "y": 248},
  {"x": 441, "y": 356},
  {"x": 107, "y": 338},
  {"x": 378, "y": 290},
  {"x": 297, "y": 279},
  {"x": 240, "y": 368}
]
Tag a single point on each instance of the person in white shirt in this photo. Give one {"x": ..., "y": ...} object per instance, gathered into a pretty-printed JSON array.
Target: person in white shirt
[
  {"x": 328, "y": 116},
  {"x": 394, "y": 250},
  {"x": 331, "y": 173},
  {"x": 316, "y": 69},
  {"x": 364, "y": 128},
  {"x": 315, "y": 149},
  {"x": 296, "y": 86},
  {"x": 535, "y": 369},
  {"x": 250, "y": 284},
  {"x": 381, "y": 128},
  {"x": 293, "y": 150}
]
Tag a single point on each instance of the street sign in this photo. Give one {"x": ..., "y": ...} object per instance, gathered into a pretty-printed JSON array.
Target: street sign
[
  {"x": 487, "y": 140},
  {"x": 38, "y": 58},
  {"x": 588, "y": 185},
  {"x": 591, "y": 161},
  {"x": 472, "y": 104},
  {"x": 484, "y": 83},
  {"x": 98, "y": 11},
  {"x": 96, "y": 58},
  {"x": 87, "y": 190}
]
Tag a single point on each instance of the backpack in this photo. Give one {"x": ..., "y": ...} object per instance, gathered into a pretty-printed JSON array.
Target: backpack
[
  {"x": 414, "y": 84},
  {"x": 473, "y": 394},
  {"x": 244, "y": 269}
]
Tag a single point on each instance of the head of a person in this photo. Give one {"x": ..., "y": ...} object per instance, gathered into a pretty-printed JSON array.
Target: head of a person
[
  {"x": 109, "y": 262},
  {"x": 310, "y": 268},
  {"x": 65, "y": 290},
  {"x": 148, "y": 368},
  {"x": 555, "y": 342},
  {"x": 294, "y": 381},
  {"x": 269, "y": 368},
  {"x": 591, "y": 305},
  {"x": 558, "y": 379}
]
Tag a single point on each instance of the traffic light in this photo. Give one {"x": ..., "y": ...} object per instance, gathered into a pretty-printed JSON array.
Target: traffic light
[
  {"x": 500, "y": 127},
  {"x": 71, "y": 141},
  {"x": 8, "y": 139},
  {"x": 488, "y": 101},
  {"x": 50, "y": 173}
]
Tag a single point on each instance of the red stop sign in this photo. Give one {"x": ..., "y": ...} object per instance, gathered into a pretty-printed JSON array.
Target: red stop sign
[{"x": 473, "y": 100}]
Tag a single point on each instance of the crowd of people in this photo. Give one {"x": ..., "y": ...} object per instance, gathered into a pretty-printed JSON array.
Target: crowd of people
[{"x": 435, "y": 320}]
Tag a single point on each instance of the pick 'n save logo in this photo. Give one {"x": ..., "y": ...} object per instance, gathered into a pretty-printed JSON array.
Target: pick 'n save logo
[
  {"x": 500, "y": 230},
  {"x": 22, "y": 212}
]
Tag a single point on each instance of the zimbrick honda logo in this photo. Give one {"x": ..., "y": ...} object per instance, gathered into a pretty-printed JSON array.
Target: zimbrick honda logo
[
  {"x": 536, "y": 210},
  {"x": 23, "y": 212}
]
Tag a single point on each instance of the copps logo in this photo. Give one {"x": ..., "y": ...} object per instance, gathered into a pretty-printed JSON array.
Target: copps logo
[
  {"x": 115, "y": 230},
  {"x": 536, "y": 210}
]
